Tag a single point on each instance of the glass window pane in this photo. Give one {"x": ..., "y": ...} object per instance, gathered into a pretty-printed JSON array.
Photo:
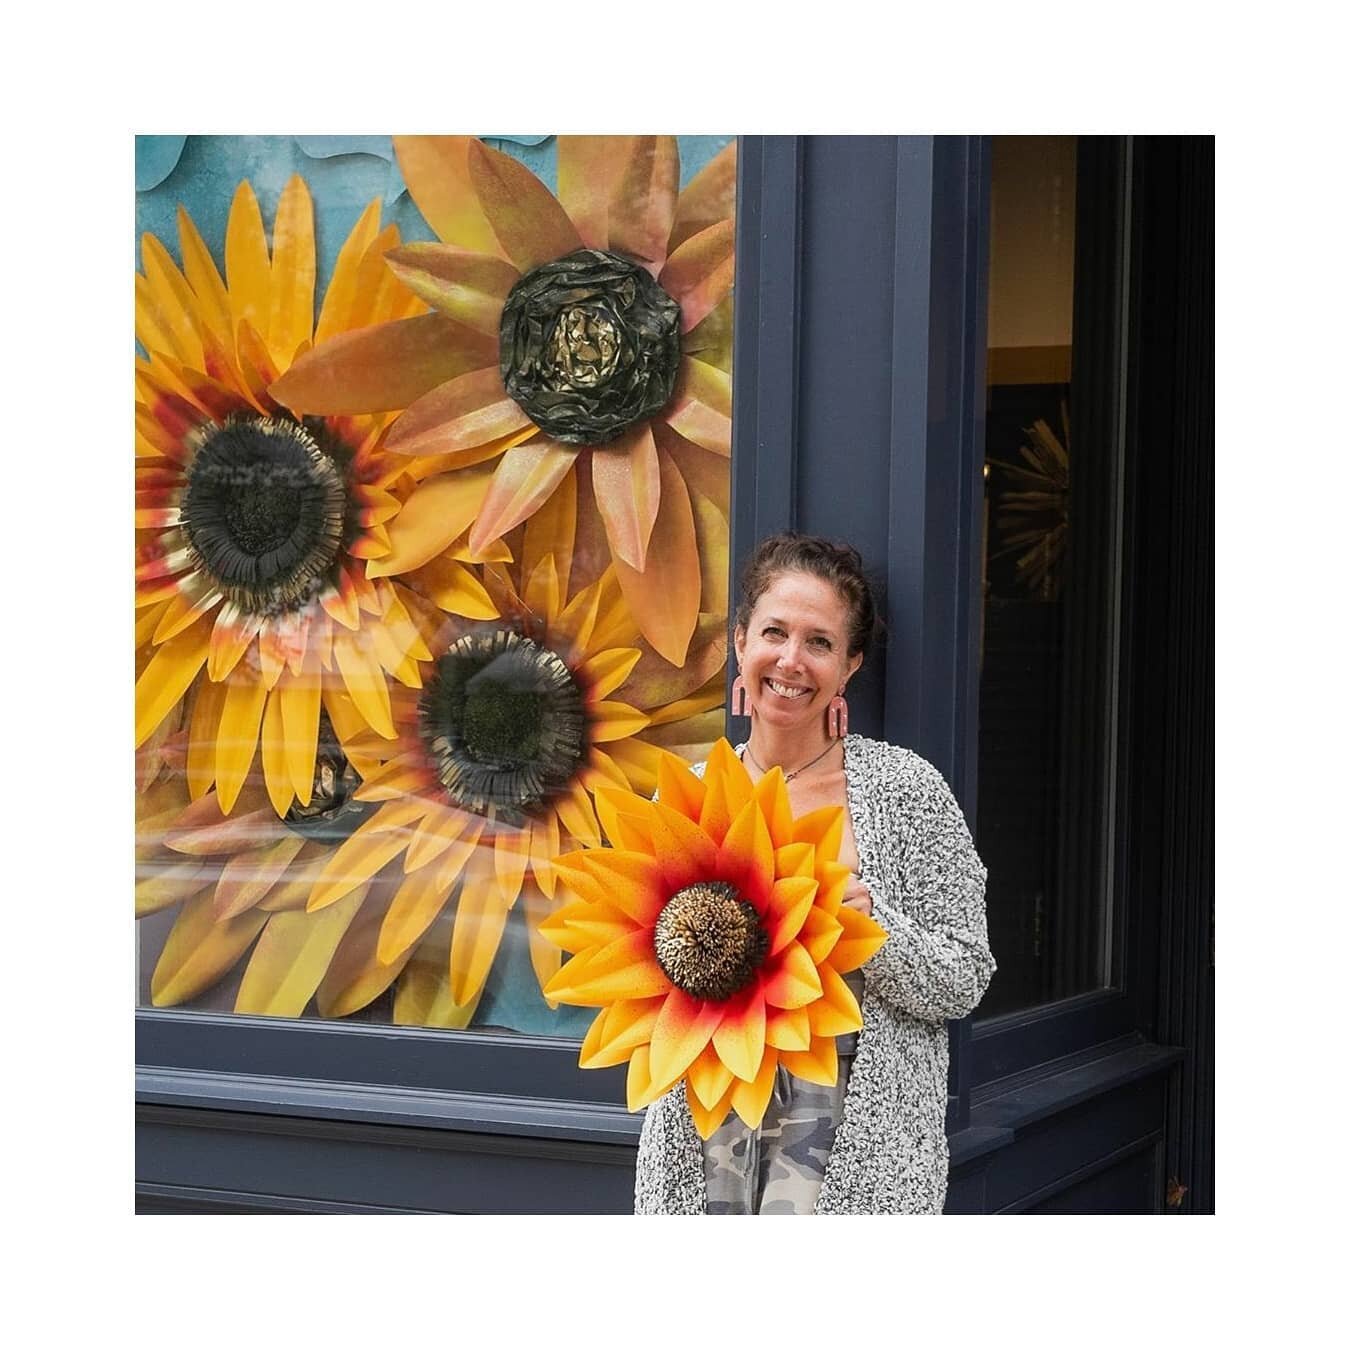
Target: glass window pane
[
  {"x": 432, "y": 501},
  {"x": 1051, "y": 568}
]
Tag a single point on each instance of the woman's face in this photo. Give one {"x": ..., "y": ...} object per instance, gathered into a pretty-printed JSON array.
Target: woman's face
[{"x": 793, "y": 654}]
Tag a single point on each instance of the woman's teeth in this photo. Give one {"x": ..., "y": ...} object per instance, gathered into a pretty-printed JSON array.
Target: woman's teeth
[{"x": 784, "y": 690}]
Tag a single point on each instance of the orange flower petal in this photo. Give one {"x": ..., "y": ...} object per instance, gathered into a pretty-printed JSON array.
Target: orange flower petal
[
  {"x": 525, "y": 478},
  {"x": 819, "y": 934},
  {"x": 664, "y": 600},
  {"x": 771, "y": 793},
  {"x": 469, "y": 287},
  {"x": 700, "y": 408},
  {"x": 819, "y": 1064},
  {"x": 863, "y": 938},
  {"x": 341, "y": 290},
  {"x": 710, "y": 1079},
  {"x": 710, "y": 197},
  {"x": 359, "y": 858},
  {"x": 626, "y": 820},
  {"x": 683, "y": 1028},
  {"x": 790, "y": 980},
  {"x": 237, "y": 740},
  {"x": 788, "y": 1029},
  {"x": 642, "y": 198},
  {"x": 614, "y": 878},
  {"x": 384, "y": 367},
  {"x": 739, "y": 1040},
  {"x": 619, "y": 1030},
  {"x": 552, "y": 529},
  {"x": 578, "y": 815},
  {"x": 291, "y": 317},
  {"x": 613, "y": 721},
  {"x": 480, "y": 919},
  {"x": 248, "y": 269},
  {"x": 684, "y": 851},
  {"x": 437, "y": 512},
  {"x": 471, "y": 410},
  {"x": 706, "y": 1121},
  {"x": 624, "y": 968},
  {"x": 751, "y": 1100},
  {"x": 836, "y": 1012},
  {"x": 680, "y": 789},
  {"x": 248, "y": 877},
  {"x": 603, "y": 673},
  {"x": 641, "y": 1088},
  {"x": 167, "y": 676},
  {"x": 585, "y": 166},
  {"x": 789, "y": 904},
  {"x": 202, "y": 829},
  {"x": 823, "y": 828},
  {"x": 411, "y": 912},
  {"x": 526, "y": 217},
  {"x": 436, "y": 170},
  {"x": 745, "y": 857},
  {"x": 626, "y": 478},
  {"x": 699, "y": 273}
]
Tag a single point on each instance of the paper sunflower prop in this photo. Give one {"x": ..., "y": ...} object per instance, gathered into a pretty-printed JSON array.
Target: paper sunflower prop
[
  {"x": 599, "y": 307},
  {"x": 260, "y": 533},
  {"x": 495, "y": 767},
  {"x": 712, "y": 938}
]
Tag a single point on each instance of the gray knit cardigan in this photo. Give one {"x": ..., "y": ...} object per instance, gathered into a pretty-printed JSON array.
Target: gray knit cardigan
[{"x": 927, "y": 883}]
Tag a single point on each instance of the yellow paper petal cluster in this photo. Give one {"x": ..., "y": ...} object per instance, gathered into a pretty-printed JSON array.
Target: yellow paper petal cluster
[
  {"x": 712, "y": 938},
  {"x": 495, "y": 766},
  {"x": 498, "y": 224},
  {"x": 274, "y": 551}
]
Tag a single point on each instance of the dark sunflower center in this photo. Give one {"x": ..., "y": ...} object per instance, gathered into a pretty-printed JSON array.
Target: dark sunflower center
[
  {"x": 264, "y": 510},
  {"x": 505, "y": 724},
  {"x": 709, "y": 941},
  {"x": 590, "y": 345},
  {"x": 332, "y": 814}
]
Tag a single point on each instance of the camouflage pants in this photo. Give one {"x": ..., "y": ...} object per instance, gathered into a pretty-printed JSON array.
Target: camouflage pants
[{"x": 778, "y": 1168}]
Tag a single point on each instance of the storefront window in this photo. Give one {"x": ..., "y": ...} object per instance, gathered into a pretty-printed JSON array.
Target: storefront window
[
  {"x": 432, "y": 500},
  {"x": 1049, "y": 646}
]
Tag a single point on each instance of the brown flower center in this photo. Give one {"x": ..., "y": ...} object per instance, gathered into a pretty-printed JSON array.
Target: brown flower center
[{"x": 709, "y": 941}]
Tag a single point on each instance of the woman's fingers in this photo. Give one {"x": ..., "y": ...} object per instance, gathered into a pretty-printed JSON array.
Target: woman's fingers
[{"x": 857, "y": 896}]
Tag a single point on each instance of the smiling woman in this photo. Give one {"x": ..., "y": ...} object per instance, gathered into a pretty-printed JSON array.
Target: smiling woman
[{"x": 856, "y": 1145}]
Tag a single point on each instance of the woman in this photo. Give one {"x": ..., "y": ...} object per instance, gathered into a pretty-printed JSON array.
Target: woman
[{"x": 876, "y": 1142}]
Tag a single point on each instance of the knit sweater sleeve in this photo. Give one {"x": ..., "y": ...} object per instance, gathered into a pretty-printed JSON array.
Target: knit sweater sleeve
[{"x": 936, "y": 963}]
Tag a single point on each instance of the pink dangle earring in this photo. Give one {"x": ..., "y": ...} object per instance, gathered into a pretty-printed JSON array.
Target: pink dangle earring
[
  {"x": 836, "y": 717},
  {"x": 738, "y": 698}
]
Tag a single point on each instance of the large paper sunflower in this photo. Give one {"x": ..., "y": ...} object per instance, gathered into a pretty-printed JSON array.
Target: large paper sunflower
[
  {"x": 495, "y": 767},
  {"x": 606, "y": 311},
  {"x": 712, "y": 938},
  {"x": 260, "y": 533}
]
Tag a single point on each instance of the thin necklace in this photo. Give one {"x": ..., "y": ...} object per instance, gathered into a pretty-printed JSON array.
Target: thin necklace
[{"x": 788, "y": 777}]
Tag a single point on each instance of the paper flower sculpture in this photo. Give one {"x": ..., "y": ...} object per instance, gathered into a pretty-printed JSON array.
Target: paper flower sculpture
[
  {"x": 605, "y": 310},
  {"x": 260, "y": 534},
  {"x": 712, "y": 938},
  {"x": 241, "y": 881},
  {"x": 495, "y": 766}
]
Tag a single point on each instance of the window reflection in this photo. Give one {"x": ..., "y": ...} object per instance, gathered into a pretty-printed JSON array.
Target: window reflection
[{"x": 1051, "y": 566}]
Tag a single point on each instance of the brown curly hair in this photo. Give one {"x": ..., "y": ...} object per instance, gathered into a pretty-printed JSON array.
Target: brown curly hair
[{"x": 839, "y": 564}]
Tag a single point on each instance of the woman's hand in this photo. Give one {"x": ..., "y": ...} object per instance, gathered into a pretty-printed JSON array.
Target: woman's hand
[{"x": 857, "y": 896}]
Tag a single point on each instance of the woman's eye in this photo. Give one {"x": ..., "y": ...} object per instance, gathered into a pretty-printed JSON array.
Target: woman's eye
[
  {"x": 823, "y": 643},
  {"x": 774, "y": 632}
]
